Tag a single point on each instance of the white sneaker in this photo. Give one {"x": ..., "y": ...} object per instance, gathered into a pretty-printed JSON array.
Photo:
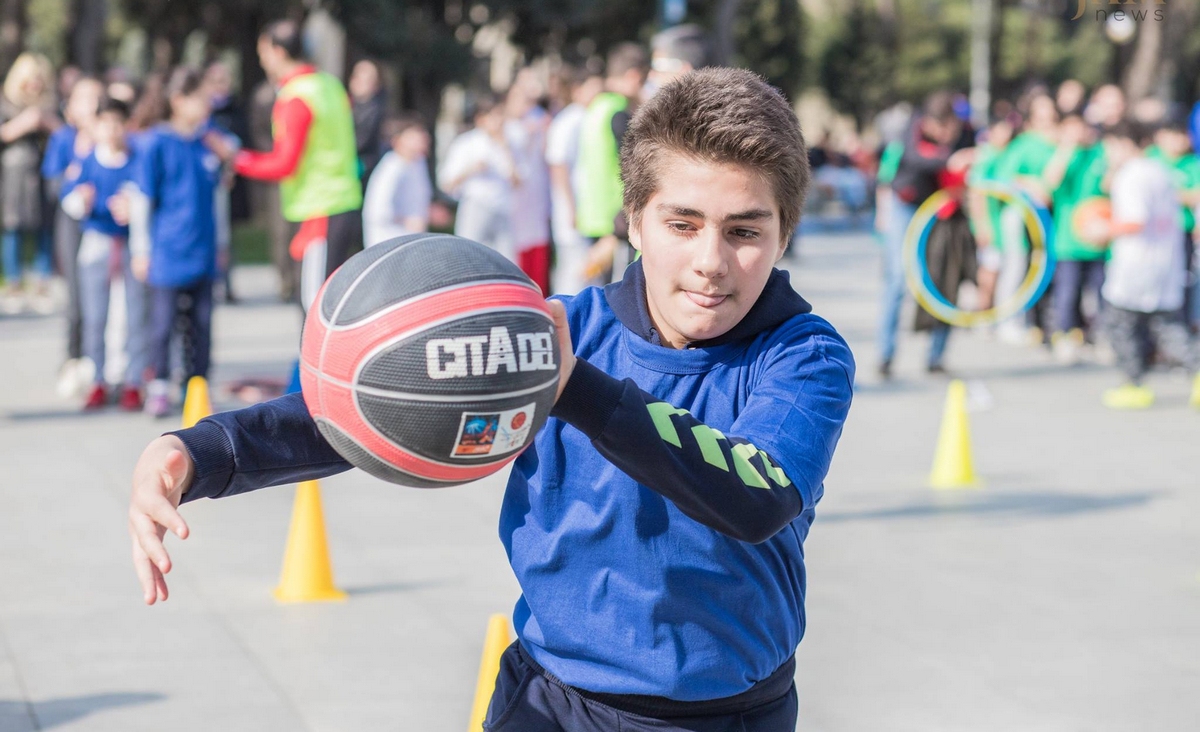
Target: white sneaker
[{"x": 75, "y": 377}]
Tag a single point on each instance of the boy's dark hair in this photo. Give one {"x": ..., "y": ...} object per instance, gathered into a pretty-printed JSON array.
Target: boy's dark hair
[
  {"x": 940, "y": 106},
  {"x": 1129, "y": 129},
  {"x": 685, "y": 42},
  {"x": 718, "y": 115},
  {"x": 183, "y": 82},
  {"x": 286, "y": 34},
  {"x": 398, "y": 124},
  {"x": 481, "y": 105},
  {"x": 108, "y": 105},
  {"x": 625, "y": 57}
]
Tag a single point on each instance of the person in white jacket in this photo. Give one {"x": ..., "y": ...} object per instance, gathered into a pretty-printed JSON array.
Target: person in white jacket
[{"x": 399, "y": 192}]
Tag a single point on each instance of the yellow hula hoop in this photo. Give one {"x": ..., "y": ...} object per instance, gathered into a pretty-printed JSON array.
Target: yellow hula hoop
[{"x": 1037, "y": 277}]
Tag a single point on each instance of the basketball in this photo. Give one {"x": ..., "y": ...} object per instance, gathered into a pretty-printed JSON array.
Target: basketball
[
  {"x": 1091, "y": 221},
  {"x": 429, "y": 360}
]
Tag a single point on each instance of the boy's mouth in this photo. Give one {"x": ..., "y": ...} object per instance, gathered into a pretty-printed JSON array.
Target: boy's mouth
[{"x": 705, "y": 301}]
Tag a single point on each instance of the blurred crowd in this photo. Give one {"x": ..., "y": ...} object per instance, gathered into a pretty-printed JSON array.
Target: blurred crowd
[
  {"x": 1118, "y": 189},
  {"x": 127, "y": 193}
]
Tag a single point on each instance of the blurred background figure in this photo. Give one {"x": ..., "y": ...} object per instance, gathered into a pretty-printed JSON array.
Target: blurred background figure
[
  {"x": 400, "y": 192},
  {"x": 369, "y": 107},
  {"x": 66, "y": 147},
  {"x": 525, "y": 131},
  {"x": 674, "y": 52},
  {"x": 314, "y": 157},
  {"x": 480, "y": 172},
  {"x": 935, "y": 142},
  {"x": 562, "y": 156},
  {"x": 27, "y": 117},
  {"x": 598, "y": 214}
]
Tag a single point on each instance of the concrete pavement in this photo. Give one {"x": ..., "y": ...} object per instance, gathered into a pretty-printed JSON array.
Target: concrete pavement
[{"x": 1061, "y": 596}]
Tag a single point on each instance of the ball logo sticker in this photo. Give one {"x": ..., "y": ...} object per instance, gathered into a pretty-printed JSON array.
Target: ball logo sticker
[{"x": 493, "y": 433}]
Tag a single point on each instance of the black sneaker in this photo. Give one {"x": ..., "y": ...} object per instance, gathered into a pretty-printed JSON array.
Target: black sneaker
[
  {"x": 935, "y": 368},
  {"x": 885, "y": 369}
]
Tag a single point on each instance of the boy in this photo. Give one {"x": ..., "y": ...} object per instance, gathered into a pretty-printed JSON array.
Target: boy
[
  {"x": 66, "y": 147},
  {"x": 173, "y": 233},
  {"x": 689, "y": 560},
  {"x": 1073, "y": 174},
  {"x": 399, "y": 192},
  {"x": 94, "y": 197},
  {"x": 985, "y": 209},
  {"x": 1173, "y": 148},
  {"x": 1145, "y": 277}
]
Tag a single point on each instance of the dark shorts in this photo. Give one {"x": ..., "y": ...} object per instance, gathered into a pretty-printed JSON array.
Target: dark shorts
[{"x": 529, "y": 699}]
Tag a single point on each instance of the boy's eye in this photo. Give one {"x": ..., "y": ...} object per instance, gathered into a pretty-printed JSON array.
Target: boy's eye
[
  {"x": 681, "y": 227},
  {"x": 745, "y": 233}
]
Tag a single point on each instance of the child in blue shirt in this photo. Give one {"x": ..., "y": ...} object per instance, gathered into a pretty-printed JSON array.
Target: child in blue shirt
[
  {"x": 173, "y": 230},
  {"x": 96, "y": 195},
  {"x": 656, "y": 524},
  {"x": 65, "y": 149}
]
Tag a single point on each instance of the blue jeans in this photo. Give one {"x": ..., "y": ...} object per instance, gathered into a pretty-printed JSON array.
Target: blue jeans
[
  {"x": 1071, "y": 279},
  {"x": 894, "y": 287},
  {"x": 11, "y": 254},
  {"x": 96, "y": 266}
]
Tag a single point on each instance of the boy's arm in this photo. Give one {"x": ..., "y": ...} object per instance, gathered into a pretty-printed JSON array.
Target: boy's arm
[
  {"x": 747, "y": 484},
  {"x": 273, "y": 443}
]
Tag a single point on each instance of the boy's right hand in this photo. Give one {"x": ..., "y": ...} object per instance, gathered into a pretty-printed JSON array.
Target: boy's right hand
[
  {"x": 161, "y": 475},
  {"x": 140, "y": 265}
]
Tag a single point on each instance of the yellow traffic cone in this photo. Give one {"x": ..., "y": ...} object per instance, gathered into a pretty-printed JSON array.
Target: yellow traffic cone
[
  {"x": 952, "y": 464},
  {"x": 307, "y": 575},
  {"x": 196, "y": 405},
  {"x": 494, "y": 644}
]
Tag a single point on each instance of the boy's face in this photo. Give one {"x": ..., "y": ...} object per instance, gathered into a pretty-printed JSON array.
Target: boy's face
[
  {"x": 412, "y": 143},
  {"x": 82, "y": 104},
  {"x": 110, "y": 130},
  {"x": 709, "y": 237},
  {"x": 191, "y": 109},
  {"x": 1119, "y": 150}
]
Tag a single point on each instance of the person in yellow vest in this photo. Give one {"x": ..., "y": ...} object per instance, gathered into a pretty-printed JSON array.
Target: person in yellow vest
[
  {"x": 314, "y": 158},
  {"x": 598, "y": 167}
]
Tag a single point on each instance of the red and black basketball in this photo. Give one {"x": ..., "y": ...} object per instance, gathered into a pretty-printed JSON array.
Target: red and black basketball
[{"x": 429, "y": 360}]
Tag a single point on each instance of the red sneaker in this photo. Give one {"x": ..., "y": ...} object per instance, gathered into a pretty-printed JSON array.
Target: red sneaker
[
  {"x": 97, "y": 398},
  {"x": 130, "y": 399}
]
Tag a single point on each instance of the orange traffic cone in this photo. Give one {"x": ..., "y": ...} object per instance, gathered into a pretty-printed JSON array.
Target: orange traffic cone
[
  {"x": 307, "y": 575},
  {"x": 494, "y": 644},
  {"x": 952, "y": 463}
]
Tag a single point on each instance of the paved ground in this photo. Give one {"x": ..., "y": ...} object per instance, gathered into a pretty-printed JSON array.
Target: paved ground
[{"x": 1063, "y": 596}]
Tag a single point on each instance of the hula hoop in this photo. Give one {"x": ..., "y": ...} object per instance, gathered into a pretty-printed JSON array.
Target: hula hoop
[{"x": 1037, "y": 277}]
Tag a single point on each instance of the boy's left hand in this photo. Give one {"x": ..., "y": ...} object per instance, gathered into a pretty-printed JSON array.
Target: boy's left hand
[
  {"x": 566, "y": 350},
  {"x": 118, "y": 206}
]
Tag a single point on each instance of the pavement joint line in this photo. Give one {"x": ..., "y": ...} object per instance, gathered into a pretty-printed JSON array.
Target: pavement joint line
[{"x": 29, "y": 708}]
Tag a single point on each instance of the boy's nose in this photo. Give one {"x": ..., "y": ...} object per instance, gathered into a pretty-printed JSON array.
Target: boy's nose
[{"x": 708, "y": 259}]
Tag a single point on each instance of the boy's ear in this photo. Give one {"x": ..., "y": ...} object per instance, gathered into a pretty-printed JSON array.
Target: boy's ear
[
  {"x": 783, "y": 245},
  {"x": 635, "y": 233}
]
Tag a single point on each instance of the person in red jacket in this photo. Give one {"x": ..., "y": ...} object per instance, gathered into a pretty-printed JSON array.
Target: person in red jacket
[{"x": 314, "y": 157}]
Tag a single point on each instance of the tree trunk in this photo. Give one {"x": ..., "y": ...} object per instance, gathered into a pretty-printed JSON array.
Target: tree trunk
[
  {"x": 723, "y": 37},
  {"x": 12, "y": 31},
  {"x": 1142, "y": 74},
  {"x": 85, "y": 42}
]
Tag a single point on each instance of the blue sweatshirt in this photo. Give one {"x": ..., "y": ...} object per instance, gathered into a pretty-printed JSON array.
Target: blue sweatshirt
[
  {"x": 107, "y": 182},
  {"x": 60, "y": 152},
  {"x": 659, "y": 551},
  {"x": 180, "y": 176}
]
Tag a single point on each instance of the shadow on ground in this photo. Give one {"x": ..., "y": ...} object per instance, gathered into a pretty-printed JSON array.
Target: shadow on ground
[
  {"x": 54, "y": 712},
  {"x": 1001, "y": 505}
]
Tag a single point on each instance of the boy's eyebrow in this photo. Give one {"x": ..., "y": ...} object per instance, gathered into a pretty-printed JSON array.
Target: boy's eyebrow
[{"x": 753, "y": 214}]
